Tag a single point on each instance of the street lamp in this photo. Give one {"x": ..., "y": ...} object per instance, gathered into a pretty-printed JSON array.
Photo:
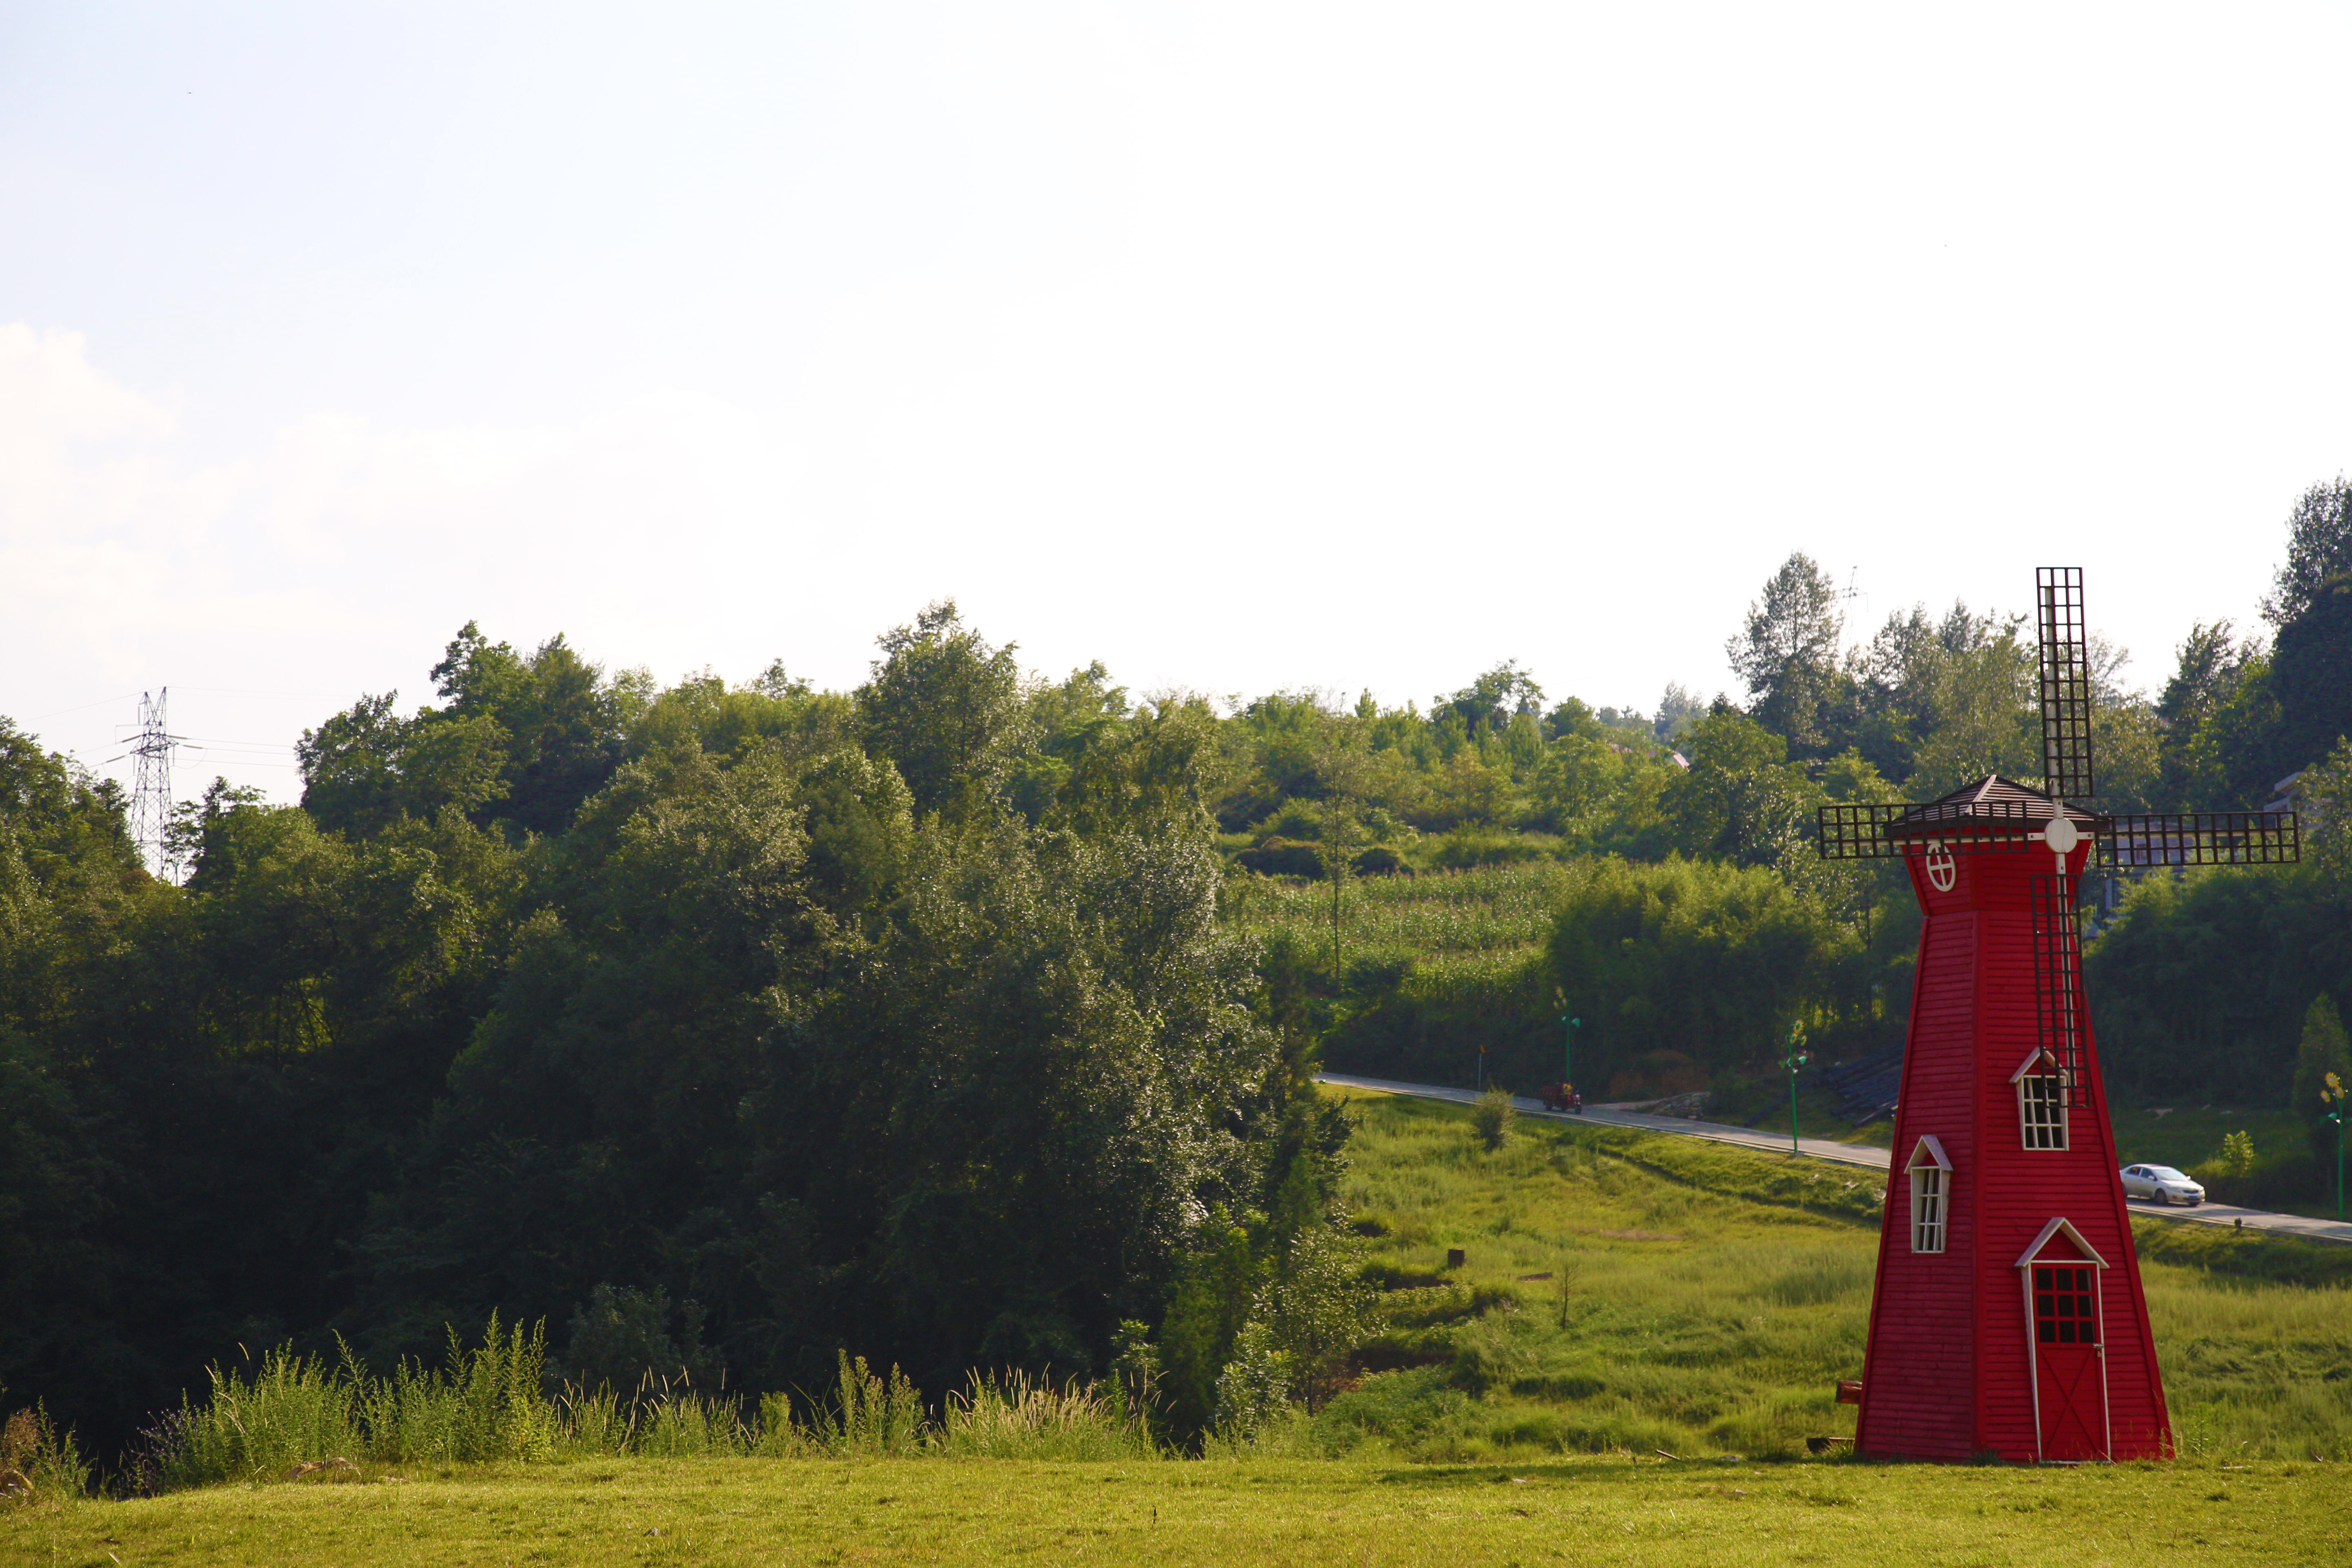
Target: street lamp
[
  {"x": 1568, "y": 1027},
  {"x": 1796, "y": 1058},
  {"x": 2332, "y": 1093}
]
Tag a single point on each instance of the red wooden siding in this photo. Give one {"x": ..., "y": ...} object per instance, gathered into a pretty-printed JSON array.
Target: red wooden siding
[{"x": 1947, "y": 1372}]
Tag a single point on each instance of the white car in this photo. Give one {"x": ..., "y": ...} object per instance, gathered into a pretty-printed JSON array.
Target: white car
[{"x": 2162, "y": 1182}]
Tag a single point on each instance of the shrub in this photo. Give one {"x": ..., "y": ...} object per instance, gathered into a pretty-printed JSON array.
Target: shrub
[
  {"x": 1251, "y": 1388},
  {"x": 1491, "y": 1119},
  {"x": 37, "y": 1462}
]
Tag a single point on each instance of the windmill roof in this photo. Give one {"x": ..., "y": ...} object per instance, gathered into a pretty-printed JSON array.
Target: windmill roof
[{"x": 1992, "y": 799}]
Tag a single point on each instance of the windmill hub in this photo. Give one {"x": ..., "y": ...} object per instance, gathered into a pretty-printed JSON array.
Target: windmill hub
[{"x": 2062, "y": 835}]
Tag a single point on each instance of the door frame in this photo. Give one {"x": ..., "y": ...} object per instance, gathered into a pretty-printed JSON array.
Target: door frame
[{"x": 2090, "y": 1255}]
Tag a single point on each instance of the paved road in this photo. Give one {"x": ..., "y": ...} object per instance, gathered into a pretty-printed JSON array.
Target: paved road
[{"x": 1843, "y": 1153}]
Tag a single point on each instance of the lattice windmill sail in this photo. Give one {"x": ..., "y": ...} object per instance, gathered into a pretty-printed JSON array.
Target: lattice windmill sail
[
  {"x": 2057, "y": 1362},
  {"x": 1997, "y": 816},
  {"x": 2066, "y": 671}
]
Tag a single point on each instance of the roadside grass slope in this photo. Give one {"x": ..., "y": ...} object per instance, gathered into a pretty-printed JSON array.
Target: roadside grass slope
[{"x": 1634, "y": 1291}]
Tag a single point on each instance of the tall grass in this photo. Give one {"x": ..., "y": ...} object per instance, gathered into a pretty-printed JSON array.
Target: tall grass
[
  {"x": 292, "y": 1409},
  {"x": 493, "y": 1402},
  {"x": 485, "y": 1404},
  {"x": 1020, "y": 1417},
  {"x": 37, "y": 1462}
]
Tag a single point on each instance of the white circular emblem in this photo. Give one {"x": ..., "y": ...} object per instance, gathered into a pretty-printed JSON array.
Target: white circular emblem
[
  {"x": 1942, "y": 869},
  {"x": 2062, "y": 835}
]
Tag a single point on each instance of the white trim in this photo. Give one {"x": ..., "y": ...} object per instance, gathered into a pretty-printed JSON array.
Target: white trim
[
  {"x": 2042, "y": 1124},
  {"x": 2032, "y": 1359},
  {"x": 2034, "y": 1253},
  {"x": 2032, "y": 1338},
  {"x": 1932, "y": 1148},
  {"x": 1927, "y": 1235},
  {"x": 2040, "y": 1059}
]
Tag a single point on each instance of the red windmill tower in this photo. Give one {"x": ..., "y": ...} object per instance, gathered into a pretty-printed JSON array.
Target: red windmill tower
[{"x": 2007, "y": 1316}]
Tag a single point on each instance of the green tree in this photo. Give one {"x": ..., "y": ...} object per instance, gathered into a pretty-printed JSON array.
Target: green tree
[
  {"x": 1316, "y": 1308},
  {"x": 948, "y": 709},
  {"x": 562, "y": 724},
  {"x": 1205, "y": 1315},
  {"x": 2322, "y": 1049},
  {"x": 1488, "y": 703},
  {"x": 1985, "y": 718},
  {"x": 2318, "y": 549},
  {"x": 1709, "y": 959},
  {"x": 1740, "y": 799},
  {"x": 1788, "y": 650},
  {"x": 2326, "y": 793},
  {"x": 2311, "y": 676}
]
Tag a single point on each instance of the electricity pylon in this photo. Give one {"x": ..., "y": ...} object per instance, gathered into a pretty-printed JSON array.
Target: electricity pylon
[{"x": 151, "y": 790}]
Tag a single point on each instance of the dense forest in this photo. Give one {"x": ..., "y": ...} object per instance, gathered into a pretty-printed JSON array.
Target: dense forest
[{"x": 971, "y": 1017}]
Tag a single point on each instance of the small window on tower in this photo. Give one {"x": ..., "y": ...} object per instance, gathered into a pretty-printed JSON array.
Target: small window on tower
[
  {"x": 1927, "y": 1209},
  {"x": 1931, "y": 1186},
  {"x": 2041, "y": 1102}
]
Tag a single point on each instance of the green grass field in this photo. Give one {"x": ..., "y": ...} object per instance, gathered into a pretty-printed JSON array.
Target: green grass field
[
  {"x": 1610, "y": 1510},
  {"x": 1701, "y": 1299},
  {"x": 1625, "y": 1296}
]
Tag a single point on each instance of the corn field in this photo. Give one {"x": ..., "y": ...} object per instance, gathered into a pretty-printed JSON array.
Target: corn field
[{"x": 1488, "y": 910}]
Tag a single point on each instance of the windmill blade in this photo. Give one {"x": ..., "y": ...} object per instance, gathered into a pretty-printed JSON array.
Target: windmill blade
[
  {"x": 2065, "y": 685},
  {"x": 2202, "y": 838},
  {"x": 1859, "y": 832},
  {"x": 2058, "y": 1001}
]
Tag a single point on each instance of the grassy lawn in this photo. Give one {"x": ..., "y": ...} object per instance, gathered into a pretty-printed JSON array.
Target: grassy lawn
[
  {"x": 1641, "y": 1292},
  {"x": 1614, "y": 1510},
  {"x": 1817, "y": 1116},
  {"x": 2183, "y": 1135},
  {"x": 1625, "y": 1296}
]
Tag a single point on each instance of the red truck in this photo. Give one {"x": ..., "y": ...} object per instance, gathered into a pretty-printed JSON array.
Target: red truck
[{"x": 1560, "y": 1096}]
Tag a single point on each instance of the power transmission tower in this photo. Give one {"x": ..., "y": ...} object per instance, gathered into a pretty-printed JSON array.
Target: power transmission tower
[
  {"x": 151, "y": 793},
  {"x": 1845, "y": 603}
]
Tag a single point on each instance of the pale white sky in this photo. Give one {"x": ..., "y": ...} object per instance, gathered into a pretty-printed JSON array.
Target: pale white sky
[{"x": 1240, "y": 347}]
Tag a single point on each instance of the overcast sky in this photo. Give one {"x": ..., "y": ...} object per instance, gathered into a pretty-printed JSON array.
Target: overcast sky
[{"x": 1240, "y": 348}]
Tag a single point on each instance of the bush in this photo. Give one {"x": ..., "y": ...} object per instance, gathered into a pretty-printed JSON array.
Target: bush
[
  {"x": 1492, "y": 1117},
  {"x": 37, "y": 1462},
  {"x": 1467, "y": 847},
  {"x": 1251, "y": 1388},
  {"x": 1283, "y": 858}
]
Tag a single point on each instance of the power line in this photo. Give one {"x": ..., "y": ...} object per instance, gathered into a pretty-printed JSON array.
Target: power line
[{"x": 61, "y": 712}]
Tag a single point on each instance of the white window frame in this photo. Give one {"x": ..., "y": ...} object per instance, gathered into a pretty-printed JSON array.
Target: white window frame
[
  {"x": 2041, "y": 1119},
  {"x": 1931, "y": 1195}
]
